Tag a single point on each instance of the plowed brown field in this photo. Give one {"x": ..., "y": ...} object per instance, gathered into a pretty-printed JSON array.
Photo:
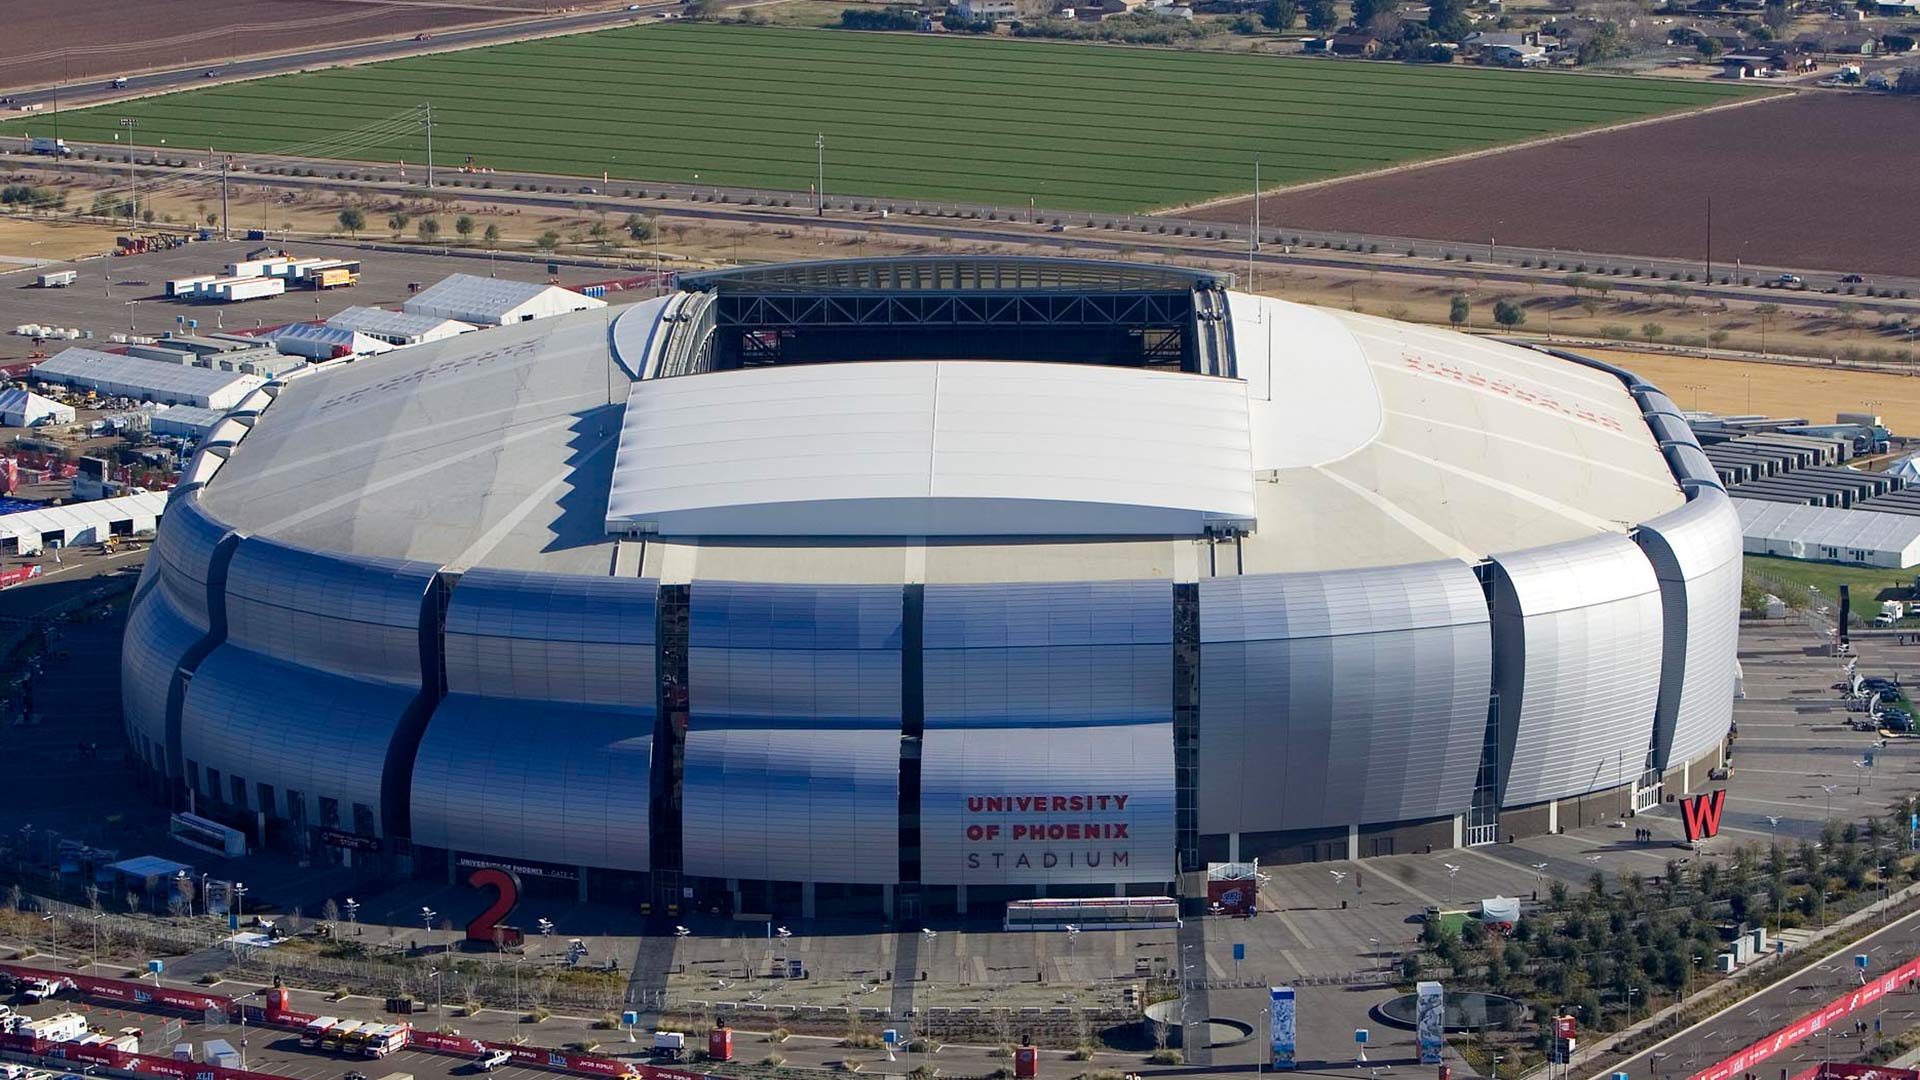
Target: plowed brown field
[
  {"x": 82, "y": 40},
  {"x": 1811, "y": 180}
]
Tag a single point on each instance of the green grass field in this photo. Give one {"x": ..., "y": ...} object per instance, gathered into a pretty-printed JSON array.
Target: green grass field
[{"x": 905, "y": 116}]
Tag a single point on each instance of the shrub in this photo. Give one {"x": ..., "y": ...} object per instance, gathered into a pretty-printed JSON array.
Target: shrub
[
  {"x": 539, "y": 1015},
  {"x": 1083, "y": 1052},
  {"x": 1004, "y": 1050},
  {"x": 1165, "y": 1057},
  {"x": 607, "y": 1022},
  {"x": 861, "y": 1040},
  {"x": 778, "y": 1035},
  {"x": 773, "y": 1060},
  {"x": 848, "y": 1064}
]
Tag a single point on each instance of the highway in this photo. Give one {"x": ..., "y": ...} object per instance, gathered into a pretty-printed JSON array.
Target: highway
[
  {"x": 1784, "y": 1001},
  {"x": 142, "y": 84},
  {"x": 1115, "y": 233}
]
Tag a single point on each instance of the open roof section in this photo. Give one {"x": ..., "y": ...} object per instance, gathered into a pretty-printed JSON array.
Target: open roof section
[{"x": 955, "y": 273}]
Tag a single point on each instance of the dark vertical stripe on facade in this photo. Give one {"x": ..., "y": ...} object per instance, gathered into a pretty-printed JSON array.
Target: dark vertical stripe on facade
[
  {"x": 396, "y": 775},
  {"x": 215, "y": 636},
  {"x": 913, "y": 725},
  {"x": 669, "y": 738},
  {"x": 1186, "y": 725}
]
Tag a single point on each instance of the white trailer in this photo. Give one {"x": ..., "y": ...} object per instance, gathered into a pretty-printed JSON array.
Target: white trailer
[
  {"x": 187, "y": 286},
  {"x": 234, "y": 290},
  {"x": 58, "y": 279}
]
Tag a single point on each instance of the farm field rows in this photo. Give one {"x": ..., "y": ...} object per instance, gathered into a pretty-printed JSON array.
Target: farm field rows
[
  {"x": 904, "y": 116},
  {"x": 1793, "y": 182}
]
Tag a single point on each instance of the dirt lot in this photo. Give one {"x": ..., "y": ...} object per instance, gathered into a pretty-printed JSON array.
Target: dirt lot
[
  {"x": 1793, "y": 183},
  {"x": 78, "y": 40},
  {"x": 1730, "y": 386},
  {"x": 51, "y": 241}
]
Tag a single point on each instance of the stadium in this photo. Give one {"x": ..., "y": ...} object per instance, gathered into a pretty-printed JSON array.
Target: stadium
[{"x": 913, "y": 586}]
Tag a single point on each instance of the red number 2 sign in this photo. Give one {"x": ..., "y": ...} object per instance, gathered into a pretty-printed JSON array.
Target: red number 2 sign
[{"x": 487, "y": 928}]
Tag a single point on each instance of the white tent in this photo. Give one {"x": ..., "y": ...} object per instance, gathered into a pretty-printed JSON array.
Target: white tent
[
  {"x": 24, "y": 408},
  {"x": 1907, "y": 468}
]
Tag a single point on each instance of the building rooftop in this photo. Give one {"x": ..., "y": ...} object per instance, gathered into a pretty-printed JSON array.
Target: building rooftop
[
  {"x": 475, "y": 294},
  {"x": 158, "y": 378},
  {"x": 373, "y": 320}
]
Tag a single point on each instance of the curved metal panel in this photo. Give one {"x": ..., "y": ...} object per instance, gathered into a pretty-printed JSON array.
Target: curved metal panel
[
  {"x": 1667, "y": 428},
  {"x": 793, "y": 744},
  {"x": 184, "y": 546},
  {"x": 1048, "y": 753},
  {"x": 552, "y": 637},
  {"x": 1576, "y": 637},
  {"x": 1696, "y": 553},
  {"x": 542, "y": 747},
  {"x": 1691, "y": 463},
  {"x": 1654, "y": 401},
  {"x": 354, "y": 616},
  {"x": 298, "y": 729},
  {"x": 157, "y": 639},
  {"x": 1341, "y": 698},
  {"x": 545, "y": 781}
]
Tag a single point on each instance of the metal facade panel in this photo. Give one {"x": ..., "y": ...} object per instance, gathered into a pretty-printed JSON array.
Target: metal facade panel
[
  {"x": 356, "y": 616},
  {"x": 1696, "y": 555},
  {"x": 1079, "y": 653},
  {"x": 157, "y": 639},
  {"x": 250, "y": 715},
  {"x": 793, "y": 744},
  {"x": 1341, "y": 698},
  {"x": 549, "y": 782},
  {"x": 1056, "y": 692},
  {"x": 184, "y": 545},
  {"x": 1577, "y": 638},
  {"x": 553, "y": 637},
  {"x": 1104, "y": 815}
]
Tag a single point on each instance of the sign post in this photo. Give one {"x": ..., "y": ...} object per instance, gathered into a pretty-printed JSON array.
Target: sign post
[
  {"x": 1239, "y": 954},
  {"x": 1360, "y": 1040}
]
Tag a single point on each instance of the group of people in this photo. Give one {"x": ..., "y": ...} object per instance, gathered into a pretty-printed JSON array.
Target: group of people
[{"x": 1643, "y": 836}]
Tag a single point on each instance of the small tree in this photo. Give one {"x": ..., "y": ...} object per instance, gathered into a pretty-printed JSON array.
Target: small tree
[
  {"x": 1709, "y": 48},
  {"x": 1509, "y": 314},
  {"x": 491, "y": 235},
  {"x": 429, "y": 229},
  {"x": 1279, "y": 14},
  {"x": 353, "y": 219},
  {"x": 93, "y": 897},
  {"x": 398, "y": 222},
  {"x": 1651, "y": 330},
  {"x": 1459, "y": 310},
  {"x": 640, "y": 229},
  {"x": 330, "y": 911},
  {"x": 464, "y": 226},
  {"x": 1322, "y": 16},
  {"x": 547, "y": 241}
]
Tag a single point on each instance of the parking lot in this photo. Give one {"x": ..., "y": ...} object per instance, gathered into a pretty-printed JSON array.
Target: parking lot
[{"x": 125, "y": 294}]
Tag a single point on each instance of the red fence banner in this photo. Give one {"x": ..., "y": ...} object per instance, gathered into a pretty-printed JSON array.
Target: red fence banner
[
  {"x": 144, "y": 994},
  {"x": 1818, "y": 1020},
  {"x": 1842, "y": 1070}
]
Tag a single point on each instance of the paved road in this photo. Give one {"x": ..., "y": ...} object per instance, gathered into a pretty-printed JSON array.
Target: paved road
[
  {"x": 154, "y": 82},
  {"x": 1782, "y": 1003},
  {"x": 1116, "y": 233}
]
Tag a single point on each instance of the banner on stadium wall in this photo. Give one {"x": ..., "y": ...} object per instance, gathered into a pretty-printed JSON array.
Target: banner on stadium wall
[
  {"x": 1818, "y": 1020},
  {"x": 1280, "y": 1026},
  {"x": 1430, "y": 1020}
]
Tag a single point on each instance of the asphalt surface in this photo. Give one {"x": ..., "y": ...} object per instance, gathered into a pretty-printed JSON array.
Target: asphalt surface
[
  {"x": 156, "y": 82},
  {"x": 1119, "y": 234},
  {"x": 1785, "y": 1001}
]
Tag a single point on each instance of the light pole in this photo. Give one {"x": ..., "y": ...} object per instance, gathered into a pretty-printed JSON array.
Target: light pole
[
  {"x": 546, "y": 931},
  {"x": 820, "y": 175},
  {"x": 180, "y": 882},
  {"x": 97, "y": 916},
  {"x": 133, "y": 193},
  {"x": 49, "y": 919},
  {"x": 1451, "y": 871},
  {"x": 434, "y": 974},
  {"x": 1829, "y": 789},
  {"x": 516, "y": 980},
  {"x": 239, "y": 901},
  {"x": 426, "y": 919},
  {"x": 928, "y": 937},
  {"x": 353, "y": 910}
]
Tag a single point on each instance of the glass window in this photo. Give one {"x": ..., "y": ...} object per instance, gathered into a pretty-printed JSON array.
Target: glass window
[
  {"x": 266, "y": 803},
  {"x": 363, "y": 822},
  {"x": 329, "y": 813},
  {"x": 213, "y": 785},
  {"x": 239, "y": 791}
]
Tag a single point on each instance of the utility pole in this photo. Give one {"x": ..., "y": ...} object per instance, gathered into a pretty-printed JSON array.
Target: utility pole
[
  {"x": 226, "y": 220},
  {"x": 1253, "y": 242},
  {"x": 133, "y": 193},
  {"x": 820, "y": 175},
  {"x": 1709, "y": 239},
  {"x": 429, "y": 122}
]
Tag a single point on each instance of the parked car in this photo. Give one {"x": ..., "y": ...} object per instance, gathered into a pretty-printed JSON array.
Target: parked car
[
  {"x": 1787, "y": 280},
  {"x": 491, "y": 1061},
  {"x": 1851, "y": 279}
]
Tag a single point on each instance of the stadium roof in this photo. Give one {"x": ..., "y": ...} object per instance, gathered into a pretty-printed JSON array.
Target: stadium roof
[
  {"x": 954, "y": 273},
  {"x": 1366, "y": 443},
  {"x": 933, "y": 448},
  {"x": 115, "y": 374}
]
